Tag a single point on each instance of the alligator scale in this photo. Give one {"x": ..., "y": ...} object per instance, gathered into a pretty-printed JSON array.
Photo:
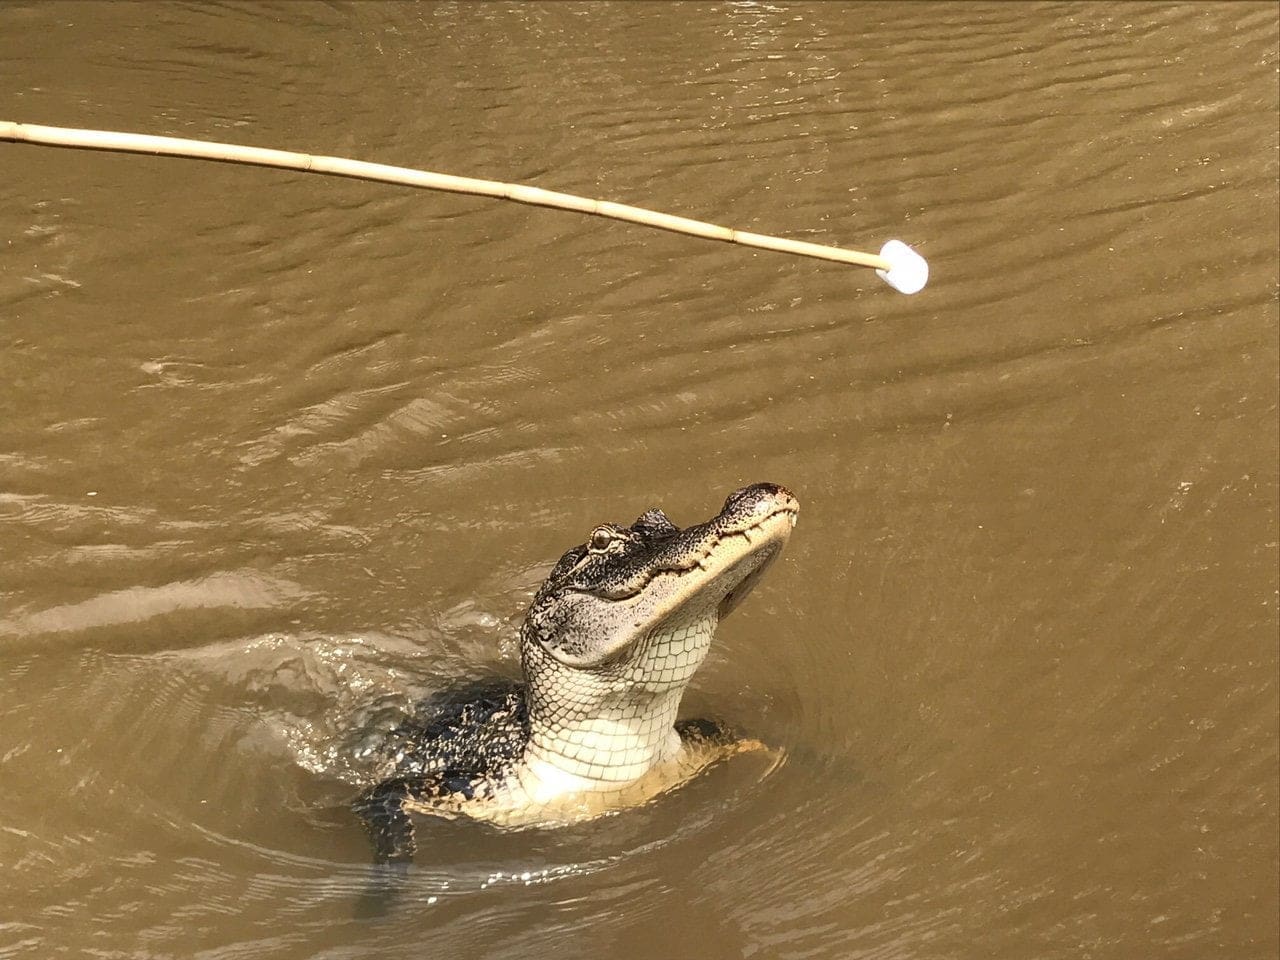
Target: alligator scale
[{"x": 610, "y": 642}]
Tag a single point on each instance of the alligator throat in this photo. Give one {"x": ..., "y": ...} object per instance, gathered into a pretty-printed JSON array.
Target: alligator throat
[{"x": 585, "y": 736}]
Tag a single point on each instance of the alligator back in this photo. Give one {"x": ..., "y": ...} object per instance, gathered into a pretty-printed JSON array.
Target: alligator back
[
  {"x": 478, "y": 729},
  {"x": 456, "y": 743}
]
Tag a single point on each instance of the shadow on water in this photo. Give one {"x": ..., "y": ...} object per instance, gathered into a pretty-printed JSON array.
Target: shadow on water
[{"x": 383, "y": 890}]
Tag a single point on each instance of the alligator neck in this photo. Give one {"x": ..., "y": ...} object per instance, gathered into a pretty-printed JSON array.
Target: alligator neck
[{"x": 603, "y": 751}]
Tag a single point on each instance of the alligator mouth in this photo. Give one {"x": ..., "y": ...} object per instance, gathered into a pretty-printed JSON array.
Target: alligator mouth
[
  {"x": 722, "y": 549},
  {"x": 764, "y": 541},
  {"x": 727, "y": 561},
  {"x": 700, "y": 574}
]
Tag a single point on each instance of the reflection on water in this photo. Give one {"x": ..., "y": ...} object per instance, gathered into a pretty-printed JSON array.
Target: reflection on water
[{"x": 279, "y": 454}]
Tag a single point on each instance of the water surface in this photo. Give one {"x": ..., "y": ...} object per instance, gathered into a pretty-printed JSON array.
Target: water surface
[{"x": 279, "y": 453}]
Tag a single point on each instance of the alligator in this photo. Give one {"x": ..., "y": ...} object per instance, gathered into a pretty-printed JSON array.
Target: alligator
[{"x": 609, "y": 644}]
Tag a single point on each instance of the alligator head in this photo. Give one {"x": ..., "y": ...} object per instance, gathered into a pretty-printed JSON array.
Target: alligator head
[{"x": 619, "y": 627}]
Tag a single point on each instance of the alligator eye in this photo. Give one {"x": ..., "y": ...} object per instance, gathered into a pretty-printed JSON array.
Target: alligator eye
[{"x": 601, "y": 537}]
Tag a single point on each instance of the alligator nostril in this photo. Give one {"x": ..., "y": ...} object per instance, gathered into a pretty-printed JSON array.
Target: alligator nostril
[{"x": 749, "y": 498}]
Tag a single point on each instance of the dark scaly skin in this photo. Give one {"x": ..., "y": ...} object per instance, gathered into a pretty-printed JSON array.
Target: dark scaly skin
[
  {"x": 611, "y": 639},
  {"x": 451, "y": 747}
]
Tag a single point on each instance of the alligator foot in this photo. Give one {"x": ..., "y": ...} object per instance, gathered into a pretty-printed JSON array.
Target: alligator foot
[{"x": 382, "y": 809}]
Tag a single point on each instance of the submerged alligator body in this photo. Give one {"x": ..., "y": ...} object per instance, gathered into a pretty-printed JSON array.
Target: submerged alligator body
[{"x": 610, "y": 642}]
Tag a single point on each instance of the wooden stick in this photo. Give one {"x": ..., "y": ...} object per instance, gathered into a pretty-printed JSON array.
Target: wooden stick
[{"x": 337, "y": 166}]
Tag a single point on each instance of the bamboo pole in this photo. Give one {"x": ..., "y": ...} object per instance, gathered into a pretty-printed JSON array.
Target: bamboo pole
[{"x": 360, "y": 169}]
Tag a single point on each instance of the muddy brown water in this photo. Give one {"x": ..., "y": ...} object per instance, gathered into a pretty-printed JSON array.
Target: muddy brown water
[{"x": 279, "y": 452}]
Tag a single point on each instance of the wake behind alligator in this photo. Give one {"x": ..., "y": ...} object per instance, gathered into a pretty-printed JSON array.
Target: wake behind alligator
[{"x": 611, "y": 640}]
